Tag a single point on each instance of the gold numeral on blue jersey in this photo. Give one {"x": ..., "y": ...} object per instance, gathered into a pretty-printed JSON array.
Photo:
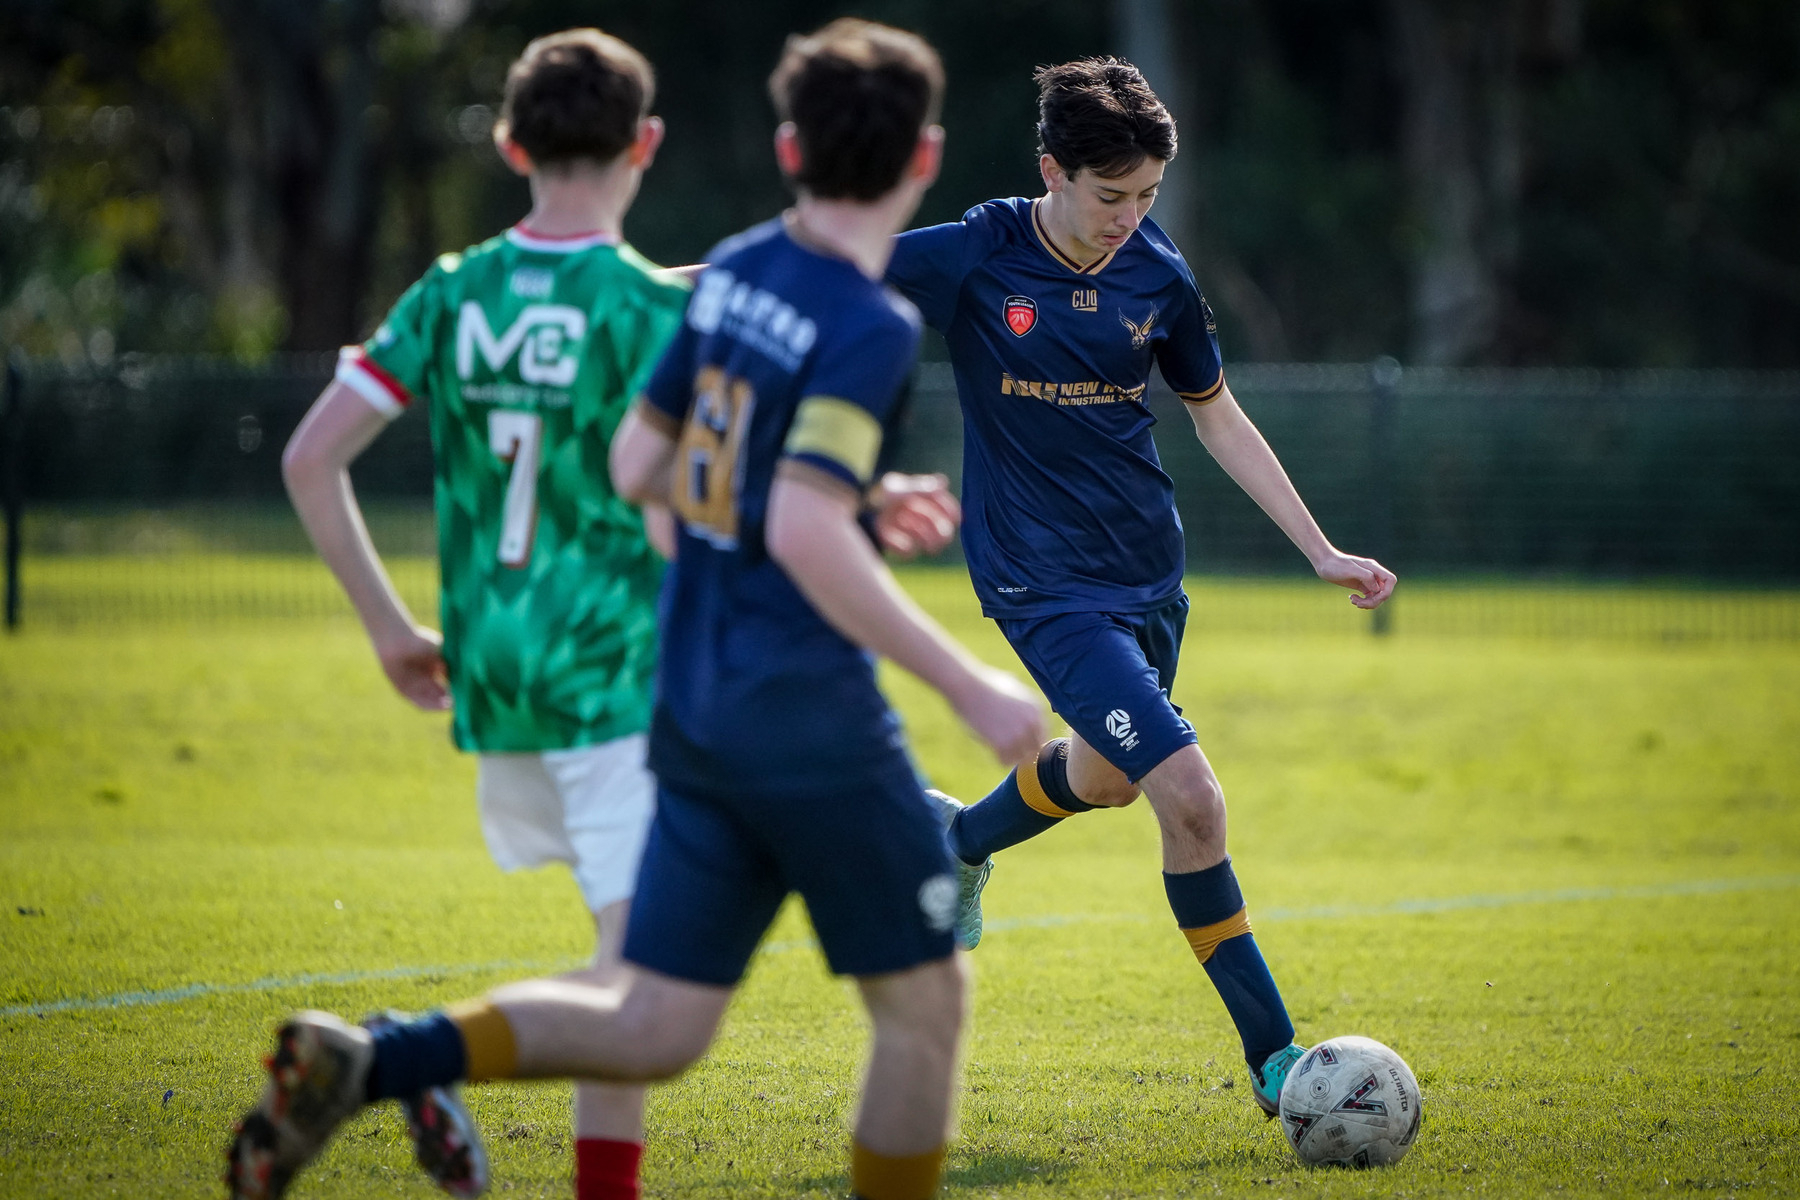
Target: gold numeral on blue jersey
[
  {"x": 709, "y": 456},
  {"x": 517, "y": 438}
]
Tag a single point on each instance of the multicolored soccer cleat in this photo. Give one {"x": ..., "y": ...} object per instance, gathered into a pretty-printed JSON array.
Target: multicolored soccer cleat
[
  {"x": 970, "y": 880},
  {"x": 446, "y": 1144},
  {"x": 1265, "y": 1084},
  {"x": 318, "y": 1077}
]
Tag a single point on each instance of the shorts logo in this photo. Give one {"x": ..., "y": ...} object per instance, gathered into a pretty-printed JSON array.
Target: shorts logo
[
  {"x": 937, "y": 900},
  {"x": 1118, "y": 723},
  {"x": 1021, "y": 314}
]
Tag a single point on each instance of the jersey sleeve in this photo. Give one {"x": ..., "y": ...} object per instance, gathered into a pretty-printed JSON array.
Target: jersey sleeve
[
  {"x": 1189, "y": 355},
  {"x": 927, "y": 268},
  {"x": 669, "y": 390},
  {"x": 393, "y": 366},
  {"x": 847, "y": 403}
]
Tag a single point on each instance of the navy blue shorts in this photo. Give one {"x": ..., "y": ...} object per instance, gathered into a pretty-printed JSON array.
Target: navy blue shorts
[
  {"x": 1108, "y": 675},
  {"x": 869, "y": 859}
]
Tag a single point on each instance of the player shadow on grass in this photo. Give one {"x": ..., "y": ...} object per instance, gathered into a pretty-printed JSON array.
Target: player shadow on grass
[{"x": 990, "y": 1170}]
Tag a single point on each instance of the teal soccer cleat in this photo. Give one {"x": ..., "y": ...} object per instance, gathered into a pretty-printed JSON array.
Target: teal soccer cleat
[
  {"x": 970, "y": 880},
  {"x": 1265, "y": 1084}
]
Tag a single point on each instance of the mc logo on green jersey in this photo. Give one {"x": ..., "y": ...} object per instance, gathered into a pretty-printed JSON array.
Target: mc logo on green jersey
[{"x": 546, "y": 337}]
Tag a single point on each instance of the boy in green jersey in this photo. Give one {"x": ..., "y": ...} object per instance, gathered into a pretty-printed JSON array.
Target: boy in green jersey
[{"x": 527, "y": 349}]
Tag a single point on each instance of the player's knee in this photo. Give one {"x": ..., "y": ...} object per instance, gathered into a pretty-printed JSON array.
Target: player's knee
[
  {"x": 656, "y": 1046},
  {"x": 658, "y": 1052},
  {"x": 926, "y": 1007},
  {"x": 1201, "y": 810},
  {"x": 1111, "y": 793}
]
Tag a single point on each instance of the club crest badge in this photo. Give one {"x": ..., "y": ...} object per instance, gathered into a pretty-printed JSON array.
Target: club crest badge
[{"x": 1021, "y": 314}]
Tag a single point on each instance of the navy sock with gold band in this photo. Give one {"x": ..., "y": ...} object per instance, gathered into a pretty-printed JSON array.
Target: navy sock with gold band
[
  {"x": 1028, "y": 801},
  {"x": 1210, "y": 909}
]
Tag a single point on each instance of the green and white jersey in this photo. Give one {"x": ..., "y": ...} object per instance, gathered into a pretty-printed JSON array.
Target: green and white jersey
[{"x": 529, "y": 350}]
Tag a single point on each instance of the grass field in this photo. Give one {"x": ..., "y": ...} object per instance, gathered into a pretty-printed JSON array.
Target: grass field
[{"x": 1561, "y": 876}]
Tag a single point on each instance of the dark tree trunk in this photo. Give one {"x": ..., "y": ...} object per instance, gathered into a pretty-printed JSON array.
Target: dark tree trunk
[
  {"x": 306, "y": 75},
  {"x": 1455, "y": 285}
]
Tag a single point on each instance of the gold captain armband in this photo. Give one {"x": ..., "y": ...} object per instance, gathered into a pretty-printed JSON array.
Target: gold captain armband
[{"x": 843, "y": 432}]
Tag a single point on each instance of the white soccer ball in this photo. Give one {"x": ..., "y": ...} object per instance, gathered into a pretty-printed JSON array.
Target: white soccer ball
[{"x": 1350, "y": 1102}]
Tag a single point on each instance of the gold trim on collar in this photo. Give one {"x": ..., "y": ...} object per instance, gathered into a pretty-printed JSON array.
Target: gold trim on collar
[{"x": 1093, "y": 268}]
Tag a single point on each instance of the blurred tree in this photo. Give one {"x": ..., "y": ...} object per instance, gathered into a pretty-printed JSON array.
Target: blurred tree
[
  {"x": 1606, "y": 182},
  {"x": 215, "y": 164}
]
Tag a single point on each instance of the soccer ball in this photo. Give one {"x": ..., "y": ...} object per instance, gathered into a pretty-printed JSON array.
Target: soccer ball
[{"x": 1350, "y": 1102}]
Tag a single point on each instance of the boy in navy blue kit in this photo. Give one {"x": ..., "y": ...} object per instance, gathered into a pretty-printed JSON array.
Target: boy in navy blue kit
[
  {"x": 780, "y": 767},
  {"x": 1054, "y": 310}
]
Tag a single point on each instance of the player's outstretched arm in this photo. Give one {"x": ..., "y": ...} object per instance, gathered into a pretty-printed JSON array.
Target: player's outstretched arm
[
  {"x": 1238, "y": 446},
  {"x": 339, "y": 426},
  {"x": 812, "y": 533}
]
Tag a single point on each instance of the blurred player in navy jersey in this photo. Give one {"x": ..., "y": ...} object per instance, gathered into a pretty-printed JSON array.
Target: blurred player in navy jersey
[
  {"x": 780, "y": 767},
  {"x": 1055, "y": 310}
]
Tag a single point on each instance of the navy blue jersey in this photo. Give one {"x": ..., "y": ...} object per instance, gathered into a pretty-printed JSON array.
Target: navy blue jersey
[
  {"x": 1066, "y": 506},
  {"x": 788, "y": 357}
]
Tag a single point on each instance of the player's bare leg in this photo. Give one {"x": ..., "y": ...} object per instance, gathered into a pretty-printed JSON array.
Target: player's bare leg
[
  {"x": 904, "y": 1120},
  {"x": 609, "y": 1118},
  {"x": 1203, "y": 893},
  {"x": 1190, "y": 810},
  {"x": 649, "y": 1028}
]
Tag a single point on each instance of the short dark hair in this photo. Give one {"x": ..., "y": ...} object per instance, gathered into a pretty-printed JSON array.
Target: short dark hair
[
  {"x": 1098, "y": 114},
  {"x": 578, "y": 94},
  {"x": 858, "y": 93}
]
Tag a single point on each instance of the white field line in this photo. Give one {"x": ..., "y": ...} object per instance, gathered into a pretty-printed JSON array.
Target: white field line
[{"x": 1329, "y": 912}]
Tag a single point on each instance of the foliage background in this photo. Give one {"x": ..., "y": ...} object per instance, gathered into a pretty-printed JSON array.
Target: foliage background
[{"x": 1537, "y": 182}]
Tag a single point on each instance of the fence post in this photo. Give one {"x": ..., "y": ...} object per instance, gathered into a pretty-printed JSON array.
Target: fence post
[
  {"x": 1384, "y": 381},
  {"x": 12, "y": 484}
]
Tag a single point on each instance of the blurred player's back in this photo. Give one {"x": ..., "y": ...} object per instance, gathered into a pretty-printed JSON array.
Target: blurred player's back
[
  {"x": 530, "y": 349},
  {"x": 774, "y": 322}
]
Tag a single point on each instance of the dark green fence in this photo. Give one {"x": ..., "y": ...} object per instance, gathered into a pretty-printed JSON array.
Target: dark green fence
[{"x": 168, "y": 469}]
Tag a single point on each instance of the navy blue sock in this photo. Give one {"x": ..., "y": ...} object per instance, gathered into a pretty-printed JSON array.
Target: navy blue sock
[
  {"x": 998, "y": 820},
  {"x": 1209, "y": 907},
  {"x": 411, "y": 1056},
  {"x": 1238, "y": 971},
  {"x": 1004, "y": 817}
]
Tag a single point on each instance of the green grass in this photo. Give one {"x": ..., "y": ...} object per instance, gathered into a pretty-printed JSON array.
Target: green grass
[{"x": 189, "y": 803}]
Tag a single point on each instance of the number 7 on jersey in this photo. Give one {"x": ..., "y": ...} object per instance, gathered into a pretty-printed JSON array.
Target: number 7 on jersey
[{"x": 517, "y": 437}]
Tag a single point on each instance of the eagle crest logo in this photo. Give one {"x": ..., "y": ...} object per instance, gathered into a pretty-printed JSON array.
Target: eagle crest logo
[{"x": 1140, "y": 330}]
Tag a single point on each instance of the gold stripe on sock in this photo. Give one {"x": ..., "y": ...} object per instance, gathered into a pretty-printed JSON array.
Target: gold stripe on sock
[
  {"x": 1032, "y": 788},
  {"x": 1206, "y": 939},
  {"x": 879, "y": 1177},
  {"x": 488, "y": 1043}
]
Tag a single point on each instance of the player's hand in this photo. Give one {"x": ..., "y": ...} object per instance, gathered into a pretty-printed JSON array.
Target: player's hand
[
  {"x": 1369, "y": 582},
  {"x": 414, "y": 662},
  {"x": 914, "y": 514},
  {"x": 1005, "y": 714}
]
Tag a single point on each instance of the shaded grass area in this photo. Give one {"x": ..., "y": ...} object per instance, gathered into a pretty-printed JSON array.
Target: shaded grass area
[{"x": 193, "y": 803}]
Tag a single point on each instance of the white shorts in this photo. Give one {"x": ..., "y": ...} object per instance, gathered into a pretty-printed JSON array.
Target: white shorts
[{"x": 589, "y": 807}]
